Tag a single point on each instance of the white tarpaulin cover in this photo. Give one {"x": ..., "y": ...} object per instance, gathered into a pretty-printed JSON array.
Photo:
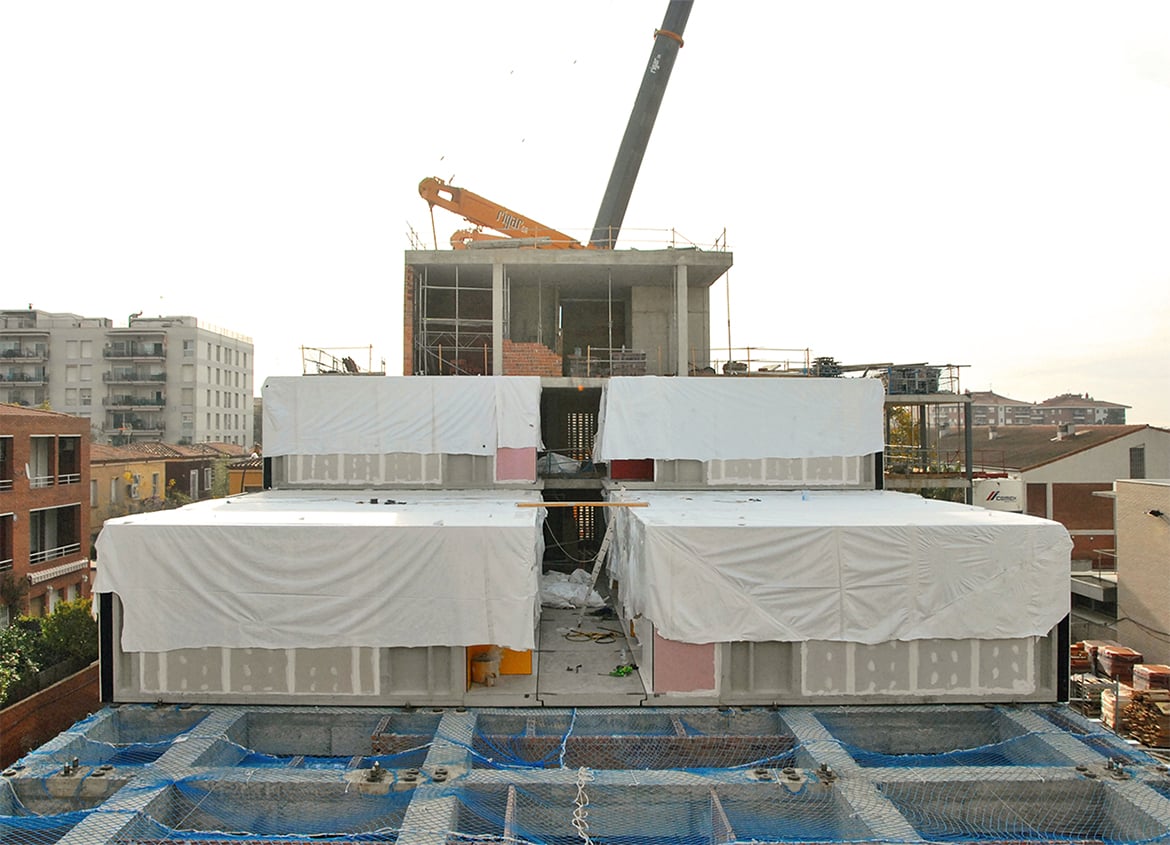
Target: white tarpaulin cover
[
  {"x": 326, "y": 415},
  {"x": 739, "y": 418},
  {"x": 852, "y": 566},
  {"x": 307, "y": 569}
]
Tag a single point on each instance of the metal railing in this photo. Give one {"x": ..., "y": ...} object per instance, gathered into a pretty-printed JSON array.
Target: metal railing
[
  {"x": 39, "y": 481},
  {"x": 760, "y": 360},
  {"x": 5, "y": 565},
  {"x": 69, "y": 478},
  {"x": 52, "y": 554}
]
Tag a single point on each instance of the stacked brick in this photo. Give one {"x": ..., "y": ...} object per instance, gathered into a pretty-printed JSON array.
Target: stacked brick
[{"x": 531, "y": 359}]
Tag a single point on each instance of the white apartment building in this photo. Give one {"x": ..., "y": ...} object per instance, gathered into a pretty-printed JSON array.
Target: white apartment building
[{"x": 158, "y": 378}]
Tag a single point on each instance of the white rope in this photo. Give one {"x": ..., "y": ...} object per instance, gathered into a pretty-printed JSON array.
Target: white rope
[{"x": 581, "y": 803}]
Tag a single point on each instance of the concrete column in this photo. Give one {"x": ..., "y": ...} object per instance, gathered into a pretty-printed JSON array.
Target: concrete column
[
  {"x": 497, "y": 319},
  {"x": 682, "y": 321}
]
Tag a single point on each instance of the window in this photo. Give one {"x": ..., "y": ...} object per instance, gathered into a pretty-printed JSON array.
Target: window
[
  {"x": 188, "y": 374},
  {"x": 93, "y": 493},
  {"x": 86, "y": 372},
  {"x": 187, "y": 396},
  {"x": 72, "y": 349},
  {"x": 207, "y": 478},
  {"x": 218, "y": 350},
  {"x": 71, "y": 397},
  {"x": 188, "y": 348},
  {"x": 6, "y": 463},
  {"x": 7, "y": 521},
  {"x": 1137, "y": 462},
  {"x": 68, "y": 459},
  {"x": 154, "y": 485},
  {"x": 53, "y": 533},
  {"x": 87, "y": 349},
  {"x": 71, "y": 374},
  {"x": 193, "y": 491},
  {"x": 86, "y": 396},
  {"x": 40, "y": 463}
]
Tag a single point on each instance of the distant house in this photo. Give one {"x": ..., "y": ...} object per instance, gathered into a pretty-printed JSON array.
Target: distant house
[
  {"x": 1081, "y": 410},
  {"x": 1061, "y": 467},
  {"x": 141, "y": 476},
  {"x": 991, "y": 409}
]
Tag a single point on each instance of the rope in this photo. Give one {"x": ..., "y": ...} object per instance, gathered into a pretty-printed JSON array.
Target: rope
[
  {"x": 580, "y": 806},
  {"x": 602, "y": 637}
]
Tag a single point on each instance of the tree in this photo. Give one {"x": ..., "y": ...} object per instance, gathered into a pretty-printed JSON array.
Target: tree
[
  {"x": 220, "y": 478},
  {"x": 69, "y": 633},
  {"x": 17, "y": 658}
]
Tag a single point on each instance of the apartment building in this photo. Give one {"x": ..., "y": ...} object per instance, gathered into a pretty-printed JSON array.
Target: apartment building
[
  {"x": 44, "y": 511},
  {"x": 158, "y": 378}
]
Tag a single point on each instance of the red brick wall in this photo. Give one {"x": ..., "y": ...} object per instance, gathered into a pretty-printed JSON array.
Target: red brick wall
[
  {"x": 408, "y": 323},
  {"x": 1075, "y": 506},
  {"x": 1037, "y": 497},
  {"x": 30, "y": 723},
  {"x": 531, "y": 359}
]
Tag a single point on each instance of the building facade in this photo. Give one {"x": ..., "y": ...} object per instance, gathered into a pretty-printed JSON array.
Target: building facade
[
  {"x": 1143, "y": 566},
  {"x": 44, "y": 510},
  {"x": 158, "y": 378}
]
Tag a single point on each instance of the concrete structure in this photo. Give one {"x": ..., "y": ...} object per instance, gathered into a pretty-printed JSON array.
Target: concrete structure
[
  {"x": 44, "y": 510},
  {"x": 512, "y": 311},
  {"x": 524, "y": 313},
  {"x": 146, "y": 774},
  {"x": 158, "y": 378},
  {"x": 1143, "y": 567}
]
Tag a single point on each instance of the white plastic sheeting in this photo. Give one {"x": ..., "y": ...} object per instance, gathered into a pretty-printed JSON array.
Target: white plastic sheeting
[
  {"x": 325, "y": 415},
  {"x": 737, "y": 418},
  {"x": 309, "y": 570},
  {"x": 852, "y": 566}
]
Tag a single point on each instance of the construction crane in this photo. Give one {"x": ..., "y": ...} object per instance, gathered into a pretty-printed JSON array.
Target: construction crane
[
  {"x": 667, "y": 42},
  {"x": 486, "y": 214}
]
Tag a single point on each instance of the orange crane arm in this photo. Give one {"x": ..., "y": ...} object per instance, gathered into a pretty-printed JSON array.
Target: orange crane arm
[{"x": 490, "y": 215}]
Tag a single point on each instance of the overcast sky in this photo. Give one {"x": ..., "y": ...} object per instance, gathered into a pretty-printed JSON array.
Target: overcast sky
[{"x": 984, "y": 183}]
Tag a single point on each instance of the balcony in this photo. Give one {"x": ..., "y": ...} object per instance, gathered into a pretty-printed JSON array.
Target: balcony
[
  {"x": 37, "y": 352},
  {"x": 133, "y": 377},
  {"x": 53, "y": 554},
  {"x": 134, "y": 402},
  {"x": 16, "y": 377},
  {"x": 136, "y": 350}
]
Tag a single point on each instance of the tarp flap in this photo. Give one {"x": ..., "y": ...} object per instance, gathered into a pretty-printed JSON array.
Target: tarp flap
[
  {"x": 739, "y": 418},
  {"x": 324, "y": 415},
  {"x": 852, "y": 566},
  {"x": 311, "y": 570}
]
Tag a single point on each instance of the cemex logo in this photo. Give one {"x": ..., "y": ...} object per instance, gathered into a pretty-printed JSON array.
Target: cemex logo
[{"x": 996, "y": 496}]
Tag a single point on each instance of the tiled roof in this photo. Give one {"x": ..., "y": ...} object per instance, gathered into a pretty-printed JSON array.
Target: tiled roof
[
  {"x": 986, "y": 397},
  {"x": 1029, "y": 446},
  {"x": 26, "y": 411},
  {"x": 1073, "y": 400}
]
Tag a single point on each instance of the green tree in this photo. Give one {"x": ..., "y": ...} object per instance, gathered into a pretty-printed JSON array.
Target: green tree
[
  {"x": 220, "y": 478},
  {"x": 18, "y": 662},
  {"x": 68, "y": 633}
]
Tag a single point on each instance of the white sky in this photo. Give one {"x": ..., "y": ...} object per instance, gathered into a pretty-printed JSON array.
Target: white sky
[{"x": 977, "y": 183}]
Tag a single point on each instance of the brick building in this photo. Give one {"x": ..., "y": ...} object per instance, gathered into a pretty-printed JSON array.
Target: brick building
[{"x": 44, "y": 510}]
